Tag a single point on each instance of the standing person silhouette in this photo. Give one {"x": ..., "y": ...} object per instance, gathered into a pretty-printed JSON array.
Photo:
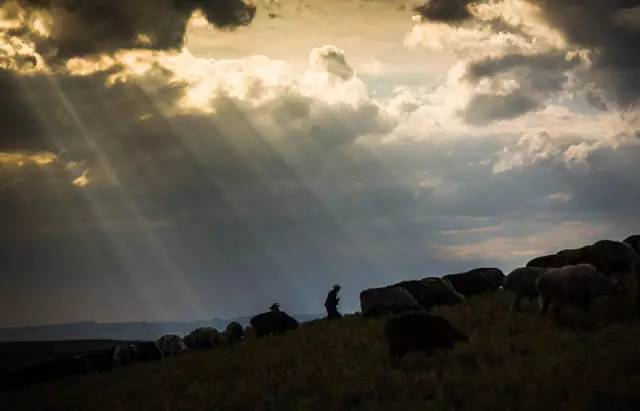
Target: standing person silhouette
[{"x": 331, "y": 303}]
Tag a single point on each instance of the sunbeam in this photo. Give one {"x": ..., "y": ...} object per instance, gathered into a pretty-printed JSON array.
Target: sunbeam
[
  {"x": 180, "y": 161},
  {"x": 179, "y": 282}
]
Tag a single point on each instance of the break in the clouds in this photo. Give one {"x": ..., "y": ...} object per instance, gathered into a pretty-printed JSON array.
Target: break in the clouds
[{"x": 156, "y": 164}]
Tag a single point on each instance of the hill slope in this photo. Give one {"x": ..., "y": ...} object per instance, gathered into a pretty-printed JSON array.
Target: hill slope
[
  {"x": 514, "y": 361},
  {"x": 20, "y": 354}
]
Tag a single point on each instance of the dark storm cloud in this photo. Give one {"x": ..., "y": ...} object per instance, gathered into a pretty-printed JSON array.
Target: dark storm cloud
[
  {"x": 81, "y": 27},
  {"x": 486, "y": 108},
  {"x": 610, "y": 30},
  {"x": 328, "y": 125},
  {"x": 544, "y": 72},
  {"x": 538, "y": 77},
  {"x": 596, "y": 25},
  {"x": 445, "y": 10},
  {"x": 226, "y": 13}
]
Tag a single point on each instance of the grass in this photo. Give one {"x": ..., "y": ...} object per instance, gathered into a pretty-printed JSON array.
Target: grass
[{"x": 514, "y": 362}]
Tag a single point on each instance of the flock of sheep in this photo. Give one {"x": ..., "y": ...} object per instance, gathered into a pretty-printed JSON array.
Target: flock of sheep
[
  {"x": 570, "y": 277},
  {"x": 575, "y": 277},
  {"x": 272, "y": 322},
  {"x": 170, "y": 345}
]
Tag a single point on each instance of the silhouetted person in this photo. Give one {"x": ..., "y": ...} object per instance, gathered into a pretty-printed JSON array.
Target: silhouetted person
[
  {"x": 331, "y": 303},
  {"x": 274, "y": 307}
]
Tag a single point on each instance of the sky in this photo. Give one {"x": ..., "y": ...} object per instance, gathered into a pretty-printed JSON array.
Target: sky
[{"x": 179, "y": 160}]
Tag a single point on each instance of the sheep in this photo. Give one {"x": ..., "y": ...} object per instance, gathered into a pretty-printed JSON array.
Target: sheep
[{"x": 573, "y": 285}]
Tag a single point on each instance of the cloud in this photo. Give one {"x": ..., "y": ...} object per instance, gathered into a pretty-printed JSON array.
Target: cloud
[
  {"x": 545, "y": 48},
  {"x": 254, "y": 80},
  {"x": 596, "y": 25},
  {"x": 543, "y": 71},
  {"x": 486, "y": 108},
  {"x": 329, "y": 125},
  {"x": 538, "y": 147},
  {"x": 327, "y": 101},
  {"x": 331, "y": 60},
  {"x": 532, "y": 79},
  {"x": 531, "y": 148},
  {"x": 513, "y": 60},
  {"x": 597, "y": 98},
  {"x": 576, "y": 156},
  {"x": 444, "y": 10},
  {"x": 59, "y": 30},
  {"x": 607, "y": 31},
  {"x": 464, "y": 41},
  {"x": 48, "y": 113},
  {"x": 522, "y": 248},
  {"x": 226, "y": 13},
  {"x": 494, "y": 29}
]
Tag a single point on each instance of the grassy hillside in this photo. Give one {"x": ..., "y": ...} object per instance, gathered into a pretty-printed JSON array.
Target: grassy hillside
[
  {"x": 514, "y": 362},
  {"x": 20, "y": 354}
]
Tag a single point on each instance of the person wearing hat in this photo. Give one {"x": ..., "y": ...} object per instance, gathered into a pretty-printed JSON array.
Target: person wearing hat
[
  {"x": 274, "y": 307},
  {"x": 331, "y": 303}
]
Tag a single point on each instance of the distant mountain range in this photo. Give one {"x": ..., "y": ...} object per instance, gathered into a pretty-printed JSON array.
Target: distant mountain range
[{"x": 141, "y": 330}]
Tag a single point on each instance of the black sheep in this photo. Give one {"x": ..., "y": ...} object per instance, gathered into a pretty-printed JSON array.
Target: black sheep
[
  {"x": 146, "y": 351},
  {"x": 234, "y": 333},
  {"x": 420, "y": 332},
  {"x": 273, "y": 322},
  {"x": 634, "y": 242},
  {"x": 472, "y": 282}
]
